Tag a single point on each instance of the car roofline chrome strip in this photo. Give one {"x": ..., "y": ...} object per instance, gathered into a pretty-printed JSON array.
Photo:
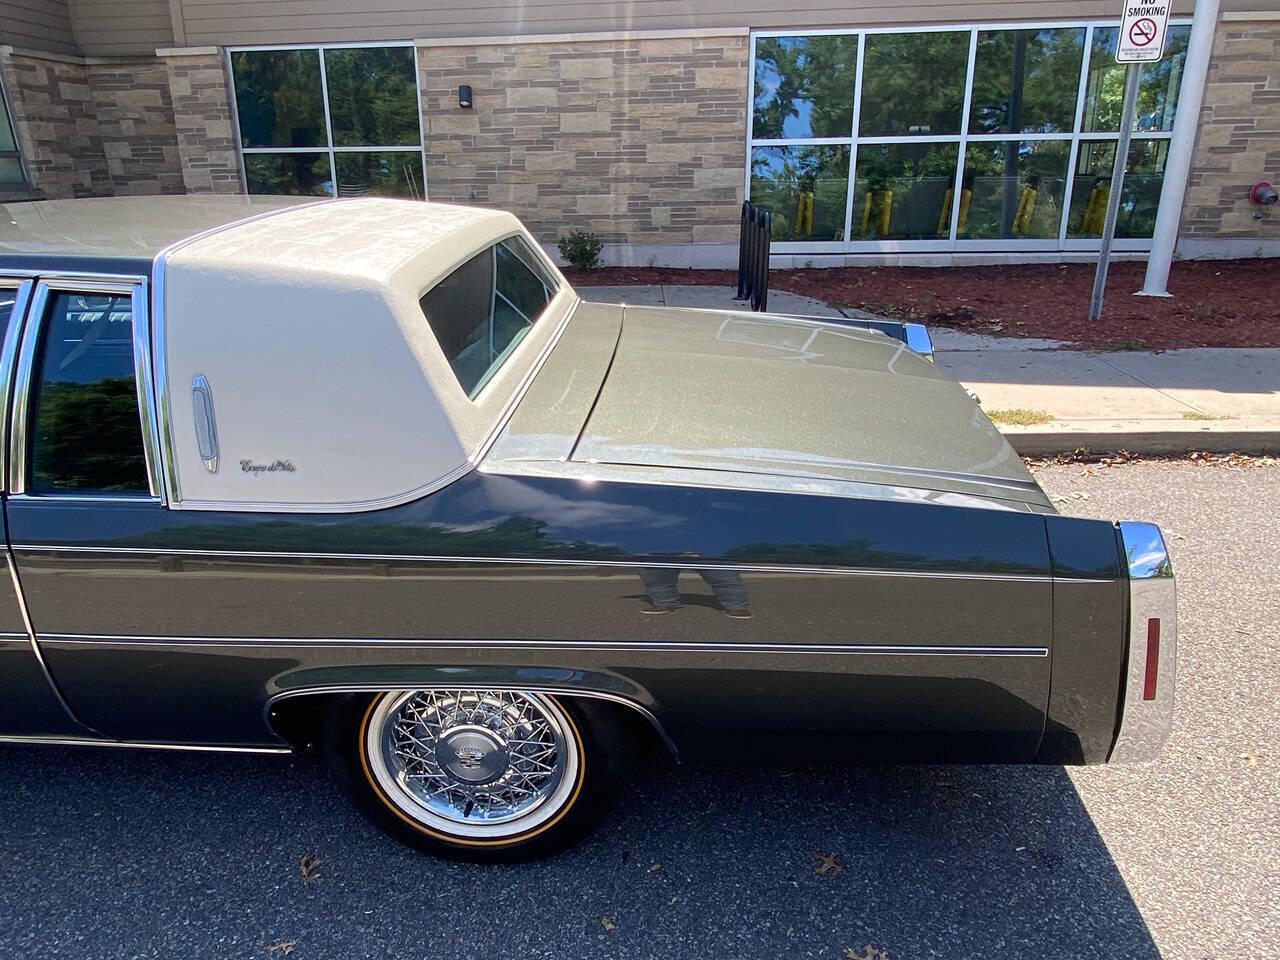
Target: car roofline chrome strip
[
  {"x": 683, "y": 646},
  {"x": 547, "y": 561}
]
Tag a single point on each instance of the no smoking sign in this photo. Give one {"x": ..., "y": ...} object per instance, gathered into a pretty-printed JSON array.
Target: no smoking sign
[{"x": 1142, "y": 32}]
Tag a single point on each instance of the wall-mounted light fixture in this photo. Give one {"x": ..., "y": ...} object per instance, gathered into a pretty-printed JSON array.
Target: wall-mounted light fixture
[{"x": 464, "y": 96}]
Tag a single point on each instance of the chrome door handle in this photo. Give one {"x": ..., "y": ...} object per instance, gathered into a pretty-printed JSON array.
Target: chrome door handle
[{"x": 206, "y": 426}]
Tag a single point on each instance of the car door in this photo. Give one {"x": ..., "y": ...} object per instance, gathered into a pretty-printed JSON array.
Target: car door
[
  {"x": 29, "y": 703},
  {"x": 79, "y": 458}
]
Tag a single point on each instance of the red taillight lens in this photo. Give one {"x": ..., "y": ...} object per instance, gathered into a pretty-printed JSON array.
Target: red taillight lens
[{"x": 1153, "y": 659}]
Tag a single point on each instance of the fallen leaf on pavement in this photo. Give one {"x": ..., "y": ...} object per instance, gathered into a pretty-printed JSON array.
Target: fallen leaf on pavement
[
  {"x": 829, "y": 863},
  {"x": 309, "y": 867},
  {"x": 868, "y": 953},
  {"x": 606, "y": 921},
  {"x": 283, "y": 947},
  {"x": 1253, "y": 760}
]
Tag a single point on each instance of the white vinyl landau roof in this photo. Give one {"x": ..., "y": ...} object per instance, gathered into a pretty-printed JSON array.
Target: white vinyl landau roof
[{"x": 329, "y": 390}]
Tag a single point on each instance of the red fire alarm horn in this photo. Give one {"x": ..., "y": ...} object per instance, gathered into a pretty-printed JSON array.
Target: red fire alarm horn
[{"x": 1263, "y": 194}]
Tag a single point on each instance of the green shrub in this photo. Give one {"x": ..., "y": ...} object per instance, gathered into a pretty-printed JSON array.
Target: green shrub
[{"x": 581, "y": 250}]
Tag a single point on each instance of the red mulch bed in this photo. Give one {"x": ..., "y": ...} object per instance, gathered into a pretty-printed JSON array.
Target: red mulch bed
[{"x": 1216, "y": 303}]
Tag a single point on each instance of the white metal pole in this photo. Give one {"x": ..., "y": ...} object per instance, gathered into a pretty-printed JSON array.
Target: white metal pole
[
  {"x": 1182, "y": 145},
  {"x": 1133, "y": 73}
]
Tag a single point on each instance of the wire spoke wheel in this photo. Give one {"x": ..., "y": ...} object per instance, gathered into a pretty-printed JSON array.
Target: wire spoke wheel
[{"x": 474, "y": 764}]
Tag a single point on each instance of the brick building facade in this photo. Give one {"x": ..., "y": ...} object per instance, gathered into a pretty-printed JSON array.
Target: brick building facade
[{"x": 641, "y": 136}]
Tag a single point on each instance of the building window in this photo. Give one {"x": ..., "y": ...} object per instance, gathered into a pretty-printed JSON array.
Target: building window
[
  {"x": 11, "y": 173},
  {"x": 330, "y": 121},
  {"x": 955, "y": 138}
]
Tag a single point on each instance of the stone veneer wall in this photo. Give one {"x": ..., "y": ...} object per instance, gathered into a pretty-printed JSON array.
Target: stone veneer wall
[
  {"x": 1239, "y": 138},
  {"x": 92, "y": 128},
  {"x": 198, "y": 85},
  {"x": 135, "y": 125},
  {"x": 53, "y": 111},
  {"x": 641, "y": 141}
]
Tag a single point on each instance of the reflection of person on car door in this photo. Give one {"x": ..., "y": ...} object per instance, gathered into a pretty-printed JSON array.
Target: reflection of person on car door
[{"x": 661, "y": 584}]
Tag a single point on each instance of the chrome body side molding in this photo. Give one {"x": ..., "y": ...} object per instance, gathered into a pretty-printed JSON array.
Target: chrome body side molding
[
  {"x": 557, "y": 561},
  {"x": 1146, "y": 703},
  {"x": 677, "y": 646},
  {"x": 140, "y": 745}
]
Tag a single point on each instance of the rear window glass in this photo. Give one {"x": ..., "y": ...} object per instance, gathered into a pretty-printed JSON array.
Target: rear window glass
[{"x": 481, "y": 311}]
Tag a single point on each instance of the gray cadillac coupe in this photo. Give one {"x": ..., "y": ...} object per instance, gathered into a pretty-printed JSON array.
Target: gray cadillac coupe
[{"x": 368, "y": 474}]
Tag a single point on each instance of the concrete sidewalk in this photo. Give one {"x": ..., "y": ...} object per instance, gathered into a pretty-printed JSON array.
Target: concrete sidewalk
[{"x": 1213, "y": 399}]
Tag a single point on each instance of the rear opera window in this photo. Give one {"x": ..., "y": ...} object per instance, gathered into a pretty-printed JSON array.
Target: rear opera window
[{"x": 482, "y": 310}]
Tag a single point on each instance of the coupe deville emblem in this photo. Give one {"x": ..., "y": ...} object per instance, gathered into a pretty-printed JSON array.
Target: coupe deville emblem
[
  {"x": 469, "y": 757},
  {"x": 275, "y": 466}
]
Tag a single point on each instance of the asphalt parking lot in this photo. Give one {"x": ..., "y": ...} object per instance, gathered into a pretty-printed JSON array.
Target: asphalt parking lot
[{"x": 109, "y": 854}]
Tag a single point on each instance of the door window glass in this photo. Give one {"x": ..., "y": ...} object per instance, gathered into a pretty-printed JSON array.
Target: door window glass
[{"x": 86, "y": 433}]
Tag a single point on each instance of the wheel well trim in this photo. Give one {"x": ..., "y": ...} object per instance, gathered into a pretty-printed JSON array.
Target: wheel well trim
[{"x": 273, "y": 701}]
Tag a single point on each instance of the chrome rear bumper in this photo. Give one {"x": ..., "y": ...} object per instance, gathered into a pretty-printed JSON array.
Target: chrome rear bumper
[{"x": 1152, "y": 641}]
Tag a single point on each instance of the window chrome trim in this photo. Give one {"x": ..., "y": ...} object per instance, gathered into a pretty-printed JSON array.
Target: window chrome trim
[
  {"x": 8, "y": 357},
  {"x": 135, "y": 288},
  {"x": 1145, "y": 724}
]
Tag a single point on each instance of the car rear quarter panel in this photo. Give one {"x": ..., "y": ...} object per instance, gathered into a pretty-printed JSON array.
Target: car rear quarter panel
[{"x": 897, "y": 623}]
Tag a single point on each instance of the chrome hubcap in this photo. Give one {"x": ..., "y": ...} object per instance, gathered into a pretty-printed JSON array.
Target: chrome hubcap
[{"x": 474, "y": 763}]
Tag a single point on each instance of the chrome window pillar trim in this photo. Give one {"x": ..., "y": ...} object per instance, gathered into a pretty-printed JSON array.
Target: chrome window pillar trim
[
  {"x": 1144, "y": 724},
  {"x": 35, "y": 646},
  {"x": 139, "y": 745},
  {"x": 8, "y": 359},
  {"x": 531, "y": 687},
  {"x": 134, "y": 287}
]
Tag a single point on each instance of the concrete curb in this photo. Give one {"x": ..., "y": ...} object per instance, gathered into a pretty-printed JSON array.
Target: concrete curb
[{"x": 1031, "y": 443}]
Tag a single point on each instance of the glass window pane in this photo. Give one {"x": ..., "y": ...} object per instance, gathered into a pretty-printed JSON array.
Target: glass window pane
[
  {"x": 1157, "y": 89},
  {"x": 373, "y": 97},
  {"x": 519, "y": 285},
  {"x": 301, "y": 174},
  {"x": 1013, "y": 190},
  {"x": 913, "y": 83},
  {"x": 8, "y": 296},
  {"x": 1026, "y": 81},
  {"x": 803, "y": 188},
  {"x": 6, "y": 131},
  {"x": 393, "y": 173},
  {"x": 1139, "y": 199},
  {"x": 278, "y": 98},
  {"x": 86, "y": 432},
  {"x": 902, "y": 191},
  {"x": 10, "y": 170},
  {"x": 481, "y": 311},
  {"x": 804, "y": 86}
]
